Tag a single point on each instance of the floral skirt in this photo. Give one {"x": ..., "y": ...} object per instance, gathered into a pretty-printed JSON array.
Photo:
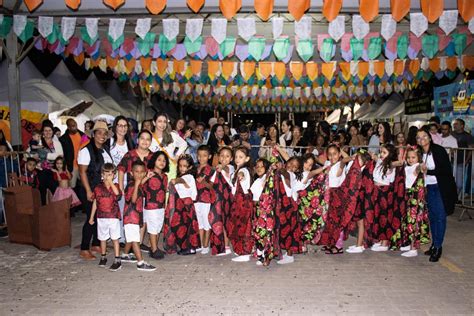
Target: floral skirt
[
  {"x": 288, "y": 221},
  {"x": 239, "y": 226}
]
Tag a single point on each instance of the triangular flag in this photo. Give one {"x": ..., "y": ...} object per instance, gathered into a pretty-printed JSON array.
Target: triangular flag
[
  {"x": 19, "y": 24},
  {"x": 45, "y": 25},
  {"x": 92, "y": 27},
  {"x": 297, "y": 8},
  {"x": 114, "y": 4},
  {"x": 418, "y": 23},
  {"x": 389, "y": 26},
  {"x": 155, "y": 6},
  {"x": 194, "y": 28},
  {"x": 368, "y": 9},
  {"x": 399, "y": 9},
  {"x": 264, "y": 8},
  {"x": 305, "y": 48},
  {"x": 337, "y": 28},
  {"x": 73, "y": 4},
  {"x": 281, "y": 47},
  {"x": 448, "y": 21},
  {"x": 68, "y": 26},
  {"x": 143, "y": 27},
  {"x": 303, "y": 28},
  {"x": 116, "y": 28},
  {"x": 229, "y": 8},
  {"x": 195, "y": 5},
  {"x": 256, "y": 47},
  {"x": 430, "y": 45},
  {"x": 331, "y": 9},
  {"x": 360, "y": 28},
  {"x": 432, "y": 9},
  {"x": 466, "y": 9},
  {"x": 246, "y": 28},
  {"x": 219, "y": 29},
  {"x": 32, "y": 5},
  {"x": 171, "y": 28}
]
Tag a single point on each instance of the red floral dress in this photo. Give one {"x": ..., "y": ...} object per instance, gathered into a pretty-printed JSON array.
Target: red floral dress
[
  {"x": 205, "y": 195},
  {"x": 239, "y": 225},
  {"x": 180, "y": 228},
  {"x": 219, "y": 213}
]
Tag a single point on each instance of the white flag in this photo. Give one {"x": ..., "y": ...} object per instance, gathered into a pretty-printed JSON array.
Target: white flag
[
  {"x": 143, "y": 27},
  {"x": 418, "y": 23},
  {"x": 219, "y": 29},
  {"x": 448, "y": 21},
  {"x": 45, "y": 25},
  {"x": 116, "y": 27},
  {"x": 68, "y": 26},
  {"x": 303, "y": 27},
  {"x": 360, "y": 28},
  {"x": 19, "y": 24},
  {"x": 337, "y": 28},
  {"x": 277, "y": 27},
  {"x": 193, "y": 28},
  {"x": 92, "y": 27},
  {"x": 389, "y": 26},
  {"x": 170, "y": 28},
  {"x": 246, "y": 28}
]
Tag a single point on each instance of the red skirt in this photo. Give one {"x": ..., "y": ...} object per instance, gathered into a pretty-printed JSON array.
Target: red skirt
[
  {"x": 218, "y": 214},
  {"x": 239, "y": 225}
]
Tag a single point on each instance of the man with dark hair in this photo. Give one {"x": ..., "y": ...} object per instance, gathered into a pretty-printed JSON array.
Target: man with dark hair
[
  {"x": 447, "y": 140},
  {"x": 255, "y": 140},
  {"x": 465, "y": 140},
  {"x": 243, "y": 138},
  {"x": 71, "y": 142}
]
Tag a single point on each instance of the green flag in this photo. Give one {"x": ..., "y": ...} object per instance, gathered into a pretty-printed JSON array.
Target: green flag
[
  {"x": 281, "y": 47},
  {"x": 429, "y": 45},
  {"x": 305, "y": 49},
  {"x": 357, "y": 48},
  {"x": 375, "y": 47},
  {"x": 402, "y": 46},
  {"x": 227, "y": 46}
]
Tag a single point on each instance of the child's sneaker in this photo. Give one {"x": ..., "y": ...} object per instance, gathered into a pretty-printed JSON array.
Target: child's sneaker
[
  {"x": 145, "y": 267},
  {"x": 379, "y": 248},
  {"x": 144, "y": 248},
  {"x": 286, "y": 259},
  {"x": 128, "y": 258},
  {"x": 204, "y": 251},
  {"x": 157, "y": 255},
  {"x": 227, "y": 252},
  {"x": 406, "y": 248},
  {"x": 117, "y": 265},
  {"x": 410, "y": 253},
  {"x": 102, "y": 262},
  {"x": 355, "y": 249},
  {"x": 243, "y": 258}
]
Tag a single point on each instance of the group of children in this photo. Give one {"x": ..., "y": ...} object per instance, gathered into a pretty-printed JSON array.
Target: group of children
[{"x": 271, "y": 211}]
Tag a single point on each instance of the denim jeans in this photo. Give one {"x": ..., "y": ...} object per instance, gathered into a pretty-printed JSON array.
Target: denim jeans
[{"x": 437, "y": 215}]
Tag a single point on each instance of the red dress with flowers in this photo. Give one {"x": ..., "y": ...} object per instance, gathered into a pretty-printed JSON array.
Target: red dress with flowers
[
  {"x": 180, "y": 228},
  {"x": 342, "y": 206},
  {"x": 265, "y": 224},
  {"x": 127, "y": 161},
  {"x": 155, "y": 191},
  {"x": 133, "y": 212},
  {"x": 205, "y": 195},
  {"x": 313, "y": 204},
  {"x": 239, "y": 225},
  {"x": 288, "y": 219},
  {"x": 219, "y": 213}
]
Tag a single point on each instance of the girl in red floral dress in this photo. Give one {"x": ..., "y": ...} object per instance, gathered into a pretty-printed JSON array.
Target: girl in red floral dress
[
  {"x": 154, "y": 189},
  {"x": 181, "y": 228},
  {"x": 220, "y": 209},
  {"x": 241, "y": 212}
]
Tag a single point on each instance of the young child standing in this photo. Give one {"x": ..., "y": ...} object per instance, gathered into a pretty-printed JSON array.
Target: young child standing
[
  {"x": 414, "y": 228},
  {"x": 30, "y": 177},
  {"x": 205, "y": 196},
  {"x": 220, "y": 209},
  {"x": 154, "y": 189},
  {"x": 105, "y": 205},
  {"x": 63, "y": 176},
  {"x": 181, "y": 228},
  {"x": 133, "y": 217},
  {"x": 240, "y": 221}
]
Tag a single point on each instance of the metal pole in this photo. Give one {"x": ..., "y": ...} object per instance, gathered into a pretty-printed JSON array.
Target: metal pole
[{"x": 14, "y": 98}]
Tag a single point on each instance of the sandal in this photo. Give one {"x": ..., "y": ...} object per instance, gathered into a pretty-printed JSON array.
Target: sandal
[{"x": 334, "y": 251}]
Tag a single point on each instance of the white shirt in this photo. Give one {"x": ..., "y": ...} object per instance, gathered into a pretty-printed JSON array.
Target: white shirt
[
  {"x": 190, "y": 192},
  {"x": 299, "y": 184},
  {"x": 288, "y": 189},
  {"x": 227, "y": 178},
  {"x": 84, "y": 158},
  {"x": 430, "y": 165},
  {"x": 117, "y": 152},
  {"x": 177, "y": 143},
  {"x": 257, "y": 188},
  {"x": 334, "y": 180},
  {"x": 410, "y": 175},
  {"x": 449, "y": 142},
  {"x": 245, "y": 182},
  {"x": 380, "y": 178}
]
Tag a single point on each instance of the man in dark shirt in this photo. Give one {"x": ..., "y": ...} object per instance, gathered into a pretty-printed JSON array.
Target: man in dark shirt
[{"x": 463, "y": 159}]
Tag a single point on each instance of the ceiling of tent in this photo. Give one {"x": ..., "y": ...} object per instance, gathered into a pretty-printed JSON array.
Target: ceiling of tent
[
  {"x": 392, "y": 107},
  {"x": 35, "y": 88}
]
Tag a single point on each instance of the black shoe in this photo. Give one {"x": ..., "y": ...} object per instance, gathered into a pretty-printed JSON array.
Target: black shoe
[
  {"x": 436, "y": 254},
  {"x": 122, "y": 245},
  {"x": 102, "y": 262},
  {"x": 429, "y": 251},
  {"x": 4, "y": 232},
  {"x": 145, "y": 267},
  {"x": 157, "y": 255},
  {"x": 117, "y": 265},
  {"x": 144, "y": 248},
  {"x": 187, "y": 252}
]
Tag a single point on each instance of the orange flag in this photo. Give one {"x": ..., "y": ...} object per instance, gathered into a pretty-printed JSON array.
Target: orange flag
[
  {"x": 178, "y": 66},
  {"x": 345, "y": 68},
  {"x": 73, "y": 4},
  {"x": 296, "y": 69},
  {"x": 369, "y": 9},
  {"x": 328, "y": 69},
  {"x": 264, "y": 8},
  {"x": 432, "y": 9},
  {"x": 212, "y": 68},
  {"x": 363, "y": 70},
  {"x": 161, "y": 66},
  {"x": 195, "y": 5},
  {"x": 468, "y": 62},
  {"x": 247, "y": 69},
  {"x": 452, "y": 63},
  {"x": 414, "y": 66},
  {"x": 312, "y": 70},
  {"x": 466, "y": 9},
  {"x": 33, "y": 4},
  {"x": 130, "y": 64},
  {"x": 398, "y": 67},
  {"x": 434, "y": 64},
  {"x": 111, "y": 62},
  {"x": 79, "y": 59},
  {"x": 146, "y": 64},
  {"x": 331, "y": 9},
  {"x": 227, "y": 68},
  {"x": 265, "y": 68},
  {"x": 297, "y": 8},
  {"x": 114, "y": 4},
  {"x": 400, "y": 8},
  {"x": 229, "y": 8},
  {"x": 196, "y": 67},
  {"x": 379, "y": 67},
  {"x": 279, "y": 69},
  {"x": 155, "y": 6}
]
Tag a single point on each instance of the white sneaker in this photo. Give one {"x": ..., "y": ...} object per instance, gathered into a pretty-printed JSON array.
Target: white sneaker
[
  {"x": 243, "y": 258},
  {"x": 204, "y": 251},
  {"x": 286, "y": 259},
  {"x": 406, "y": 248},
  {"x": 353, "y": 246},
  {"x": 259, "y": 263},
  {"x": 410, "y": 253},
  {"x": 379, "y": 248},
  {"x": 227, "y": 252},
  {"x": 199, "y": 249},
  {"x": 355, "y": 249}
]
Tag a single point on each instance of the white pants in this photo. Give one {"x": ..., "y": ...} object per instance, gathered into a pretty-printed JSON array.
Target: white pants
[
  {"x": 202, "y": 214},
  {"x": 132, "y": 232},
  {"x": 154, "y": 220},
  {"x": 108, "y": 228}
]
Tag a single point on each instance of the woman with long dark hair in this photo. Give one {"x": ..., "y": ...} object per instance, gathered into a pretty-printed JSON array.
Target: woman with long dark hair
[
  {"x": 382, "y": 136},
  {"x": 286, "y": 135},
  {"x": 217, "y": 139},
  {"x": 441, "y": 189},
  {"x": 411, "y": 137},
  {"x": 267, "y": 143}
]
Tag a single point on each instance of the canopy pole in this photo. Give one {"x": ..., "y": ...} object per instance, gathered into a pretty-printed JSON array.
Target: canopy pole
[{"x": 14, "y": 97}]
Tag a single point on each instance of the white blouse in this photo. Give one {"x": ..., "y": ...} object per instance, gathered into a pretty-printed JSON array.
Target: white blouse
[
  {"x": 190, "y": 192},
  {"x": 380, "y": 178},
  {"x": 179, "y": 145},
  {"x": 288, "y": 189},
  {"x": 227, "y": 178},
  {"x": 245, "y": 182},
  {"x": 257, "y": 188},
  {"x": 410, "y": 175},
  {"x": 299, "y": 184},
  {"x": 430, "y": 165},
  {"x": 334, "y": 180}
]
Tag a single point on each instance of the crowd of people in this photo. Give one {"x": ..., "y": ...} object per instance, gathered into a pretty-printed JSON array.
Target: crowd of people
[{"x": 263, "y": 192}]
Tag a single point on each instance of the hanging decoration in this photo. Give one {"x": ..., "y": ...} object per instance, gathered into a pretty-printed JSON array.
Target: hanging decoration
[
  {"x": 331, "y": 9},
  {"x": 219, "y": 29},
  {"x": 246, "y": 28},
  {"x": 418, "y": 23},
  {"x": 143, "y": 27},
  {"x": 114, "y": 4},
  {"x": 32, "y": 5},
  {"x": 155, "y": 6},
  {"x": 448, "y": 21},
  {"x": 229, "y": 8},
  {"x": 297, "y": 8},
  {"x": 369, "y": 9},
  {"x": 337, "y": 28},
  {"x": 432, "y": 9},
  {"x": 195, "y": 5},
  {"x": 264, "y": 8},
  {"x": 73, "y": 4},
  {"x": 360, "y": 28},
  {"x": 45, "y": 25},
  {"x": 389, "y": 26}
]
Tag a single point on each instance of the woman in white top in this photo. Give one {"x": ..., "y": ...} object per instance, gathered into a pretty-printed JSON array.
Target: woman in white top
[
  {"x": 268, "y": 142},
  {"x": 286, "y": 136},
  {"x": 383, "y": 136},
  {"x": 167, "y": 141}
]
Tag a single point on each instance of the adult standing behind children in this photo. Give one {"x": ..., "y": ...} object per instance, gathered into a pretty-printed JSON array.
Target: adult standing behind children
[
  {"x": 71, "y": 142},
  {"x": 91, "y": 159}
]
